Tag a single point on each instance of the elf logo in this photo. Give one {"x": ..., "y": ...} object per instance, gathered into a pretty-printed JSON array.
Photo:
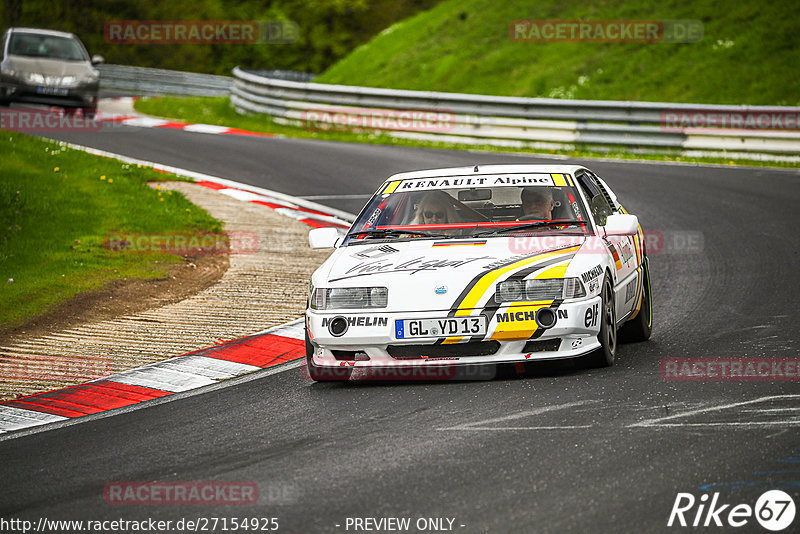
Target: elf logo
[
  {"x": 774, "y": 510},
  {"x": 591, "y": 315}
]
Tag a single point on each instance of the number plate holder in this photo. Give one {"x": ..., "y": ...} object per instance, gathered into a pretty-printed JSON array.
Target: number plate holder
[{"x": 472, "y": 325}]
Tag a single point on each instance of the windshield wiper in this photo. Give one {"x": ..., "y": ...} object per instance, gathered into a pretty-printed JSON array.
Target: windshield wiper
[
  {"x": 523, "y": 226},
  {"x": 393, "y": 232}
]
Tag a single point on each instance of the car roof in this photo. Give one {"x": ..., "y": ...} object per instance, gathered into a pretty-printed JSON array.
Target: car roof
[
  {"x": 41, "y": 31},
  {"x": 477, "y": 170}
]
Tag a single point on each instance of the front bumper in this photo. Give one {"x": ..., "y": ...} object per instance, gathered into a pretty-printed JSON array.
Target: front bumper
[
  {"x": 81, "y": 95},
  {"x": 512, "y": 336}
]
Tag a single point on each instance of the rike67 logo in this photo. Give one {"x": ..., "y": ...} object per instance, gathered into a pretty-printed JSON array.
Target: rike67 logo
[{"x": 774, "y": 510}]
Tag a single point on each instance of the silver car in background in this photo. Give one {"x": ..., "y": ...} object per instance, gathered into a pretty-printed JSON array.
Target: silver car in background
[{"x": 47, "y": 67}]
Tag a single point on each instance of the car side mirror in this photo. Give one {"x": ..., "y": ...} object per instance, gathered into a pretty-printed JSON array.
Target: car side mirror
[
  {"x": 622, "y": 224},
  {"x": 327, "y": 237},
  {"x": 98, "y": 60}
]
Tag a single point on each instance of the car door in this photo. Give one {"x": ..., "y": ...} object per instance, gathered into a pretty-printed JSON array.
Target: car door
[{"x": 623, "y": 249}]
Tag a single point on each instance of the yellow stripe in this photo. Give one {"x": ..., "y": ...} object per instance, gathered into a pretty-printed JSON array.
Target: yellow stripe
[
  {"x": 487, "y": 283},
  {"x": 569, "y": 179},
  {"x": 391, "y": 187},
  {"x": 558, "y": 179},
  {"x": 554, "y": 272}
]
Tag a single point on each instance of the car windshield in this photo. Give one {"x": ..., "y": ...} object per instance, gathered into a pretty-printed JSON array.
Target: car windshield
[
  {"x": 47, "y": 46},
  {"x": 468, "y": 206}
]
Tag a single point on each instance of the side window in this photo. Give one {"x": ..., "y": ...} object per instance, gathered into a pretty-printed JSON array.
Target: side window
[
  {"x": 598, "y": 199},
  {"x": 600, "y": 209}
]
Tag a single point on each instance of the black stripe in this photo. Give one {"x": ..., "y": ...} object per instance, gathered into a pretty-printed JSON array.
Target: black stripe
[{"x": 527, "y": 271}]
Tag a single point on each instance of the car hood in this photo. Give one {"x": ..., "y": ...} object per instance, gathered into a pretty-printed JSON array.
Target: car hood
[
  {"x": 439, "y": 275},
  {"x": 50, "y": 67}
]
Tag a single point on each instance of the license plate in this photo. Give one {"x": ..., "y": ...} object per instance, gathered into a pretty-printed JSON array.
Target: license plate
[
  {"x": 449, "y": 326},
  {"x": 56, "y": 91}
]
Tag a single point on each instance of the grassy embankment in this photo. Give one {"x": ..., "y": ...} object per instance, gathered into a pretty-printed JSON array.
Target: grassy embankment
[
  {"x": 58, "y": 208},
  {"x": 746, "y": 56}
]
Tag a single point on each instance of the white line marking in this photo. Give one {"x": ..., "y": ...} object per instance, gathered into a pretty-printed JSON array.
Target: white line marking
[
  {"x": 658, "y": 421},
  {"x": 769, "y": 410},
  {"x": 519, "y": 415},
  {"x": 732, "y": 423},
  {"x": 566, "y": 427}
]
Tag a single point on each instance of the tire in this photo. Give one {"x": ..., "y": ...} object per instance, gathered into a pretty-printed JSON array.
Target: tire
[
  {"x": 640, "y": 326},
  {"x": 605, "y": 355},
  {"x": 324, "y": 374}
]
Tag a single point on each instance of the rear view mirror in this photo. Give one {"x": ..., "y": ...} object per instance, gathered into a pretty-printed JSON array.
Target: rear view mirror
[
  {"x": 622, "y": 224},
  {"x": 474, "y": 194},
  {"x": 327, "y": 237}
]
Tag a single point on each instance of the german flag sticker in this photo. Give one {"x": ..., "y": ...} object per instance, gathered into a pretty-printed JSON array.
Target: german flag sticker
[{"x": 614, "y": 253}]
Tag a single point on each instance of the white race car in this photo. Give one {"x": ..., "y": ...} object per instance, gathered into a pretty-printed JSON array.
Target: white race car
[{"x": 479, "y": 265}]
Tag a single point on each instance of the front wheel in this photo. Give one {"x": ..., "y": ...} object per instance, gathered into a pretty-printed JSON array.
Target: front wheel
[
  {"x": 640, "y": 327},
  {"x": 604, "y": 356},
  {"x": 324, "y": 374}
]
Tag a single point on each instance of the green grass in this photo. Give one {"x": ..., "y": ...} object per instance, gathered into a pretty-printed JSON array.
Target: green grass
[
  {"x": 59, "y": 206},
  {"x": 750, "y": 53},
  {"x": 218, "y": 111}
]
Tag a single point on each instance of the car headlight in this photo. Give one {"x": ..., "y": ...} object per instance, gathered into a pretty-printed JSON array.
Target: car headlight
[
  {"x": 8, "y": 71},
  {"x": 535, "y": 290},
  {"x": 89, "y": 78},
  {"x": 33, "y": 77},
  {"x": 573, "y": 289},
  {"x": 349, "y": 298}
]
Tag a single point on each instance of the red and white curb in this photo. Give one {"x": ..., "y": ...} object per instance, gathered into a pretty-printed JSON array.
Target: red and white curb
[
  {"x": 153, "y": 122},
  {"x": 273, "y": 347}
]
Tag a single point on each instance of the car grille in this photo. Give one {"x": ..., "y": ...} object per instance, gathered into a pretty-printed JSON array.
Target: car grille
[{"x": 410, "y": 352}]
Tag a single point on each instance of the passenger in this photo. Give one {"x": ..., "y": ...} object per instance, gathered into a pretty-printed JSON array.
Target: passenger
[
  {"x": 537, "y": 203},
  {"x": 435, "y": 207}
]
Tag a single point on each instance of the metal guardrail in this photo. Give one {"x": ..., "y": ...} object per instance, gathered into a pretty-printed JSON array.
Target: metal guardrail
[
  {"x": 514, "y": 121},
  {"x": 145, "y": 81}
]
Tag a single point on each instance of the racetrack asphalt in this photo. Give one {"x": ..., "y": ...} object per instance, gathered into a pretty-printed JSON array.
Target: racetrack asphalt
[{"x": 560, "y": 450}]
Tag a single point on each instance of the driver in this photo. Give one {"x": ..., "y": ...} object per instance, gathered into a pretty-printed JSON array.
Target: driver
[
  {"x": 537, "y": 203},
  {"x": 435, "y": 207}
]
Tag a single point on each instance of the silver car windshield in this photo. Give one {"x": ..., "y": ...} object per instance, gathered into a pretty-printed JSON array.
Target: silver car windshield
[{"x": 46, "y": 46}]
